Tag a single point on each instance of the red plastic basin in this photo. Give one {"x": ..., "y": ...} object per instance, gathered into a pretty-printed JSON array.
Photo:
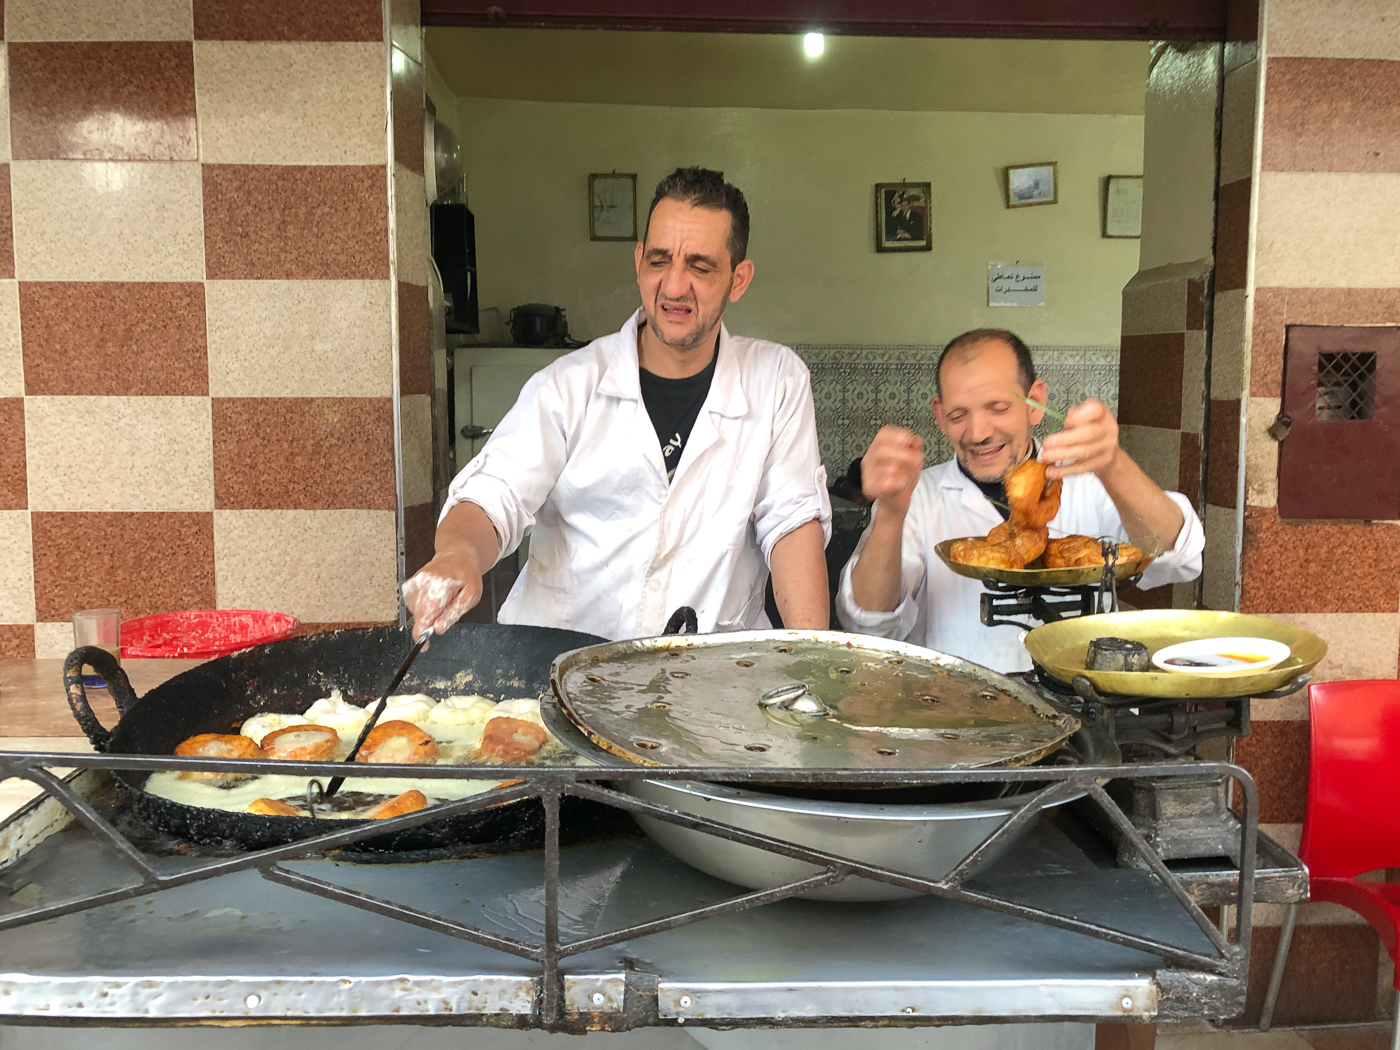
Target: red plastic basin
[{"x": 202, "y": 633}]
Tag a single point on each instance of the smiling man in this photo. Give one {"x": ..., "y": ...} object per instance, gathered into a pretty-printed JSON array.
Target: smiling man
[
  {"x": 896, "y": 586},
  {"x": 669, "y": 464}
]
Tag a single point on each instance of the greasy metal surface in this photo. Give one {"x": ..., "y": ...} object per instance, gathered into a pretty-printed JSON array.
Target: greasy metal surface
[
  {"x": 1060, "y": 648},
  {"x": 691, "y": 700},
  {"x": 1081, "y": 577}
]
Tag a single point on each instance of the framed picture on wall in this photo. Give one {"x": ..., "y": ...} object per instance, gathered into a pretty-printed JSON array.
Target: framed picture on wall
[
  {"x": 902, "y": 217},
  {"x": 1030, "y": 184},
  {"x": 612, "y": 207},
  {"x": 1122, "y": 206}
]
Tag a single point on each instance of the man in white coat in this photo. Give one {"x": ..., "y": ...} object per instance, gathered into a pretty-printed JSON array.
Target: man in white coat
[
  {"x": 669, "y": 464},
  {"x": 895, "y": 585}
]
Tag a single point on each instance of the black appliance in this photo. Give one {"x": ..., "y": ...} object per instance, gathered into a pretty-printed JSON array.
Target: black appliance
[
  {"x": 539, "y": 324},
  {"x": 454, "y": 251}
]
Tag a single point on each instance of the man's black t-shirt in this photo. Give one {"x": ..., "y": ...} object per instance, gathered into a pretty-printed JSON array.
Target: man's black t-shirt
[
  {"x": 674, "y": 405},
  {"x": 995, "y": 491}
]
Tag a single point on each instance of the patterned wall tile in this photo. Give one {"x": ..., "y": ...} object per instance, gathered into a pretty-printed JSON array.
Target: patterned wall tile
[
  {"x": 1260, "y": 452},
  {"x": 1219, "y": 563},
  {"x": 119, "y": 453},
  {"x": 1331, "y": 114},
  {"x": 1327, "y": 229},
  {"x": 16, "y": 641},
  {"x": 294, "y": 561},
  {"x": 7, "y": 226},
  {"x": 1267, "y": 342},
  {"x": 1359, "y": 645},
  {"x": 416, "y": 426},
  {"x": 53, "y": 641},
  {"x": 107, "y": 221},
  {"x": 411, "y": 219},
  {"x": 1276, "y": 755},
  {"x": 16, "y": 568},
  {"x": 1150, "y": 378},
  {"x": 102, "y": 101},
  {"x": 1331, "y": 975},
  {"x": 299, "y": 339},
  {"x": 141, "y": 563},
  {"x": 114, "y": 338},
  {"x": 296, "y": 222},
  {"x": 98, "y": 20},
  {"x": 1223, "y": 454},
  {"x": 11, "y": 351},
  {"x": 346, "y": 20},
  {"x": 1335, "y": 29},
  {"x": 303, "y": 453},
  {"x": 415, "y": 354},
  {"x": 1155, "y": 450},
  {"x": 1194, "y": 390},
  {"x": 1314, "y": 567},
  {"x": 1188, "y": 478},
  {"x": 14, "y": 480},
  {"x": 291, "y": 103}
]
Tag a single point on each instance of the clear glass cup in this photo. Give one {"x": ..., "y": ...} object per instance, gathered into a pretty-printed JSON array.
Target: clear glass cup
[{"x": 102, "y": 628}]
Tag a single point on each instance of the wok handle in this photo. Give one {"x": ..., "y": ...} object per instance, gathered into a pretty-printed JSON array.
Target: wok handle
[
  {"x": 105, "y": 664},
  {"x": 682, "y": 621}
]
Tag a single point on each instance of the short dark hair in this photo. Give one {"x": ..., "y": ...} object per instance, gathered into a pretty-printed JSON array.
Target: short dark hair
[
  {"x": 703, "y": 188},
  {"x": 1025, "y": 367}
]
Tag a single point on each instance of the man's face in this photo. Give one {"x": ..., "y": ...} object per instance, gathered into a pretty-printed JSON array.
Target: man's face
[
  {"x": 981, "y": 409},
  {"x": 684, "y": 273}
]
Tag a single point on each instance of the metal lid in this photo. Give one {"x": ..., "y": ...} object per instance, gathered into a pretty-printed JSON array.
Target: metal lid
[{"x": 807, "y": 699}]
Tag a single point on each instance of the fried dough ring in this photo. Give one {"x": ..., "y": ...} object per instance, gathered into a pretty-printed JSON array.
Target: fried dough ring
[
  {"x": 509, "y": 740},
  {"x": 217, "y": 745},
  {"x": 984, "y": 555},
  {"x": 398, "y": 742},
  {"x": 303, "y": 743},
  {"x": 1033, "y": 500},
  {"x": 1076, "y": 552},
  {"x": 410, "y": 801},
  {"x": 1027, "y": 543},
  {"x": 273, "y": 807}
]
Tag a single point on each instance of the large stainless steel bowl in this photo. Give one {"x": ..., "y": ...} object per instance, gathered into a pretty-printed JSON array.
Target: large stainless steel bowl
[{"x": 923, "y": 840}]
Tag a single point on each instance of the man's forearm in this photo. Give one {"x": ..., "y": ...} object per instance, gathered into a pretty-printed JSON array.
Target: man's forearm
[
  {"x": 800, "y": 586},
  {"x": 876, "y": 576},
  {"x": 467, "y": 530},
  {"x": 1150, "y": 518}
]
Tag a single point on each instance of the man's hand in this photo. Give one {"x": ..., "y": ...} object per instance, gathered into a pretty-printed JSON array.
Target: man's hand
[
  {"x": 1087, "y": 444},
  {"x": 443, "y": 591},
  {"x": 890, "y": 469}
]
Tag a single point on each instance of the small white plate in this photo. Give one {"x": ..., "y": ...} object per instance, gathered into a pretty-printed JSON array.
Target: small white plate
[{"x": 1221, "y": 655}]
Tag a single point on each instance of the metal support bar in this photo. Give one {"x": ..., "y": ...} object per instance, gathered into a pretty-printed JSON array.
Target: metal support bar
[{"x": 1285, "y": 940}]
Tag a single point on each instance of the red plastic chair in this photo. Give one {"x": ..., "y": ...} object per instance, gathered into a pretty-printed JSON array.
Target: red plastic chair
[{"x": 1352, "y": 822}]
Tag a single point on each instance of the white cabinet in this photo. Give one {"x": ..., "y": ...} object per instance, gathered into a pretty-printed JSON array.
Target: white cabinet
[{"x": 486, "y": 381}]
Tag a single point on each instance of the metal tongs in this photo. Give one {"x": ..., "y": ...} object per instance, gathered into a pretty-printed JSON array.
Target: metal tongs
[{"x": 328, "y": 792}]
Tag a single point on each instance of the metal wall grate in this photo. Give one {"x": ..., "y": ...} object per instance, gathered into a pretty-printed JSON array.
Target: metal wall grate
[{"x": 1346, "y": 386}]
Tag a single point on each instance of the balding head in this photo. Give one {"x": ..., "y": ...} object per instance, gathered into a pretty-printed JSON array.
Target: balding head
[{"x": 970, "y": 344}]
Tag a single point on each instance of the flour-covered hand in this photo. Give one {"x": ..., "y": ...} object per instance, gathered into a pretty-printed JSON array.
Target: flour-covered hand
[{"x": 443, "y": 591}]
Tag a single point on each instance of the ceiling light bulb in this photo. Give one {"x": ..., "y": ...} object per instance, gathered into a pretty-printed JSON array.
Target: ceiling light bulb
[{"x": 814, "y": 44}]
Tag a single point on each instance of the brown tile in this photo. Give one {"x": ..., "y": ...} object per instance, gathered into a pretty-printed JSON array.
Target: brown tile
[
  {"x": 1188, "y": 481},
  {"x": 406, "y": 98},
  {"x": 142, "y": 563},
  {"x": 303, "y": 453},
  {"x": 1276, "y": 755},
  {"x": 1376, "y": 1037},
  {"x": 16, "y": 641},
  {"x": 7, "y": 226},
  {"x": 1195, "y": 304},
  {"x": 1331, "y": 114},
  {"x": 114, "y": 338},
  {"x": 14, "y": 479},
  {"x": 295, "y": 222},
  {"x": 1232, "y": 235},
  {"x": 277, "y": 20},
  {"x": 1223, "y": 454},
  {"x": 115, "y": 100},
  {"x": 415, "y": 350},
  {"x": 1342, "y": 305},
  {"x": 321, "y": 628},
  {"x": 1149, "y": 380},
  {"x": 1313, "y": 567},
  {"x": 1266, "y": 342},
  {"x": 1330, "y": 979},
  {"x": 1241, "y": 20},
  {"x": 419, "y": 529}
]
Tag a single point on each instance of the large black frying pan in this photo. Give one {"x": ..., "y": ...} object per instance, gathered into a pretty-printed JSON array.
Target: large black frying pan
[{"x": 497, "y": 661}]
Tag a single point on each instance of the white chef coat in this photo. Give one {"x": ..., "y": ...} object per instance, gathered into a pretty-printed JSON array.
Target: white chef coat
[
  {"x": 614, "y": 548},
  {"x": 941, "y": 610}
]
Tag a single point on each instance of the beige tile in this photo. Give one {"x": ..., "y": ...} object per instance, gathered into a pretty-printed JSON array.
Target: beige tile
[
  {"x": 1184, "y": 595},
  {"x": 1156, "y": 450},
  {"x": 290, "y": 103},
  {"x": 1328, "y": 229},
  {"x": 16, "y": 568},
  {"x": 1260, "y": 452},
  {"x": 1290, "y": 708},
  {"x": 1154, "y": 302},
  {"x": 1359, "y": 645},
  {"x": 120, "y": 453},
  {"x": 1289, "y": 836},
  {"x": 53, "y": 641},
  {"x": 322, "y": 566},
  {"x": 411, "y": 217},
  {"x": 1193, "y": 382},
  {"x": 1234, "y": 1039},
  {"x": 99, "y": 20},
  {"x": 1218, "y": 570},
  {"x": 1237, "y": 123},
  {"x": 11, "y": 354},
  {"x": 1334, "y": 29},
  {"x": 1229, "y": 345},
  {"x": 416, "y": 423},
  {"x": 107, "y": 221},
  {"x": 299, "y": 338},
  {"x": 1309, "y": 914},
  {"x": 405, "y": 24}
]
